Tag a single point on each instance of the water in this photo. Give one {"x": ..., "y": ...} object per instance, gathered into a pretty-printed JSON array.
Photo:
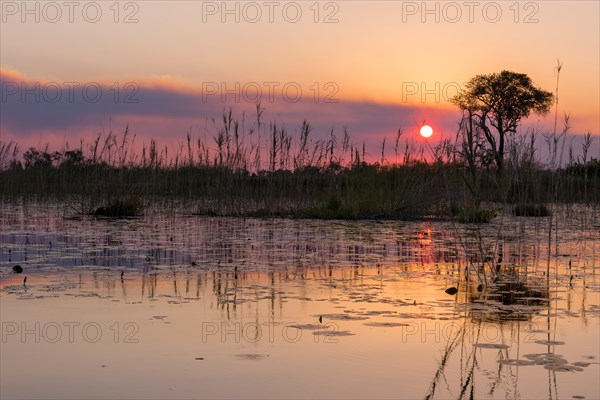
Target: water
[{"x": 181, "y": 306}]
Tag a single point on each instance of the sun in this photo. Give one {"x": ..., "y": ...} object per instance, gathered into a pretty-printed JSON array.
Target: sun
[{"x": 426, "y": 131}]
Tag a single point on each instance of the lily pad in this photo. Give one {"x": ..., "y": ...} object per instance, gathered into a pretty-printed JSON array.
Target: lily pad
[
  {"x": 385, "y": 324},
  {"x": 563, "y": 368},
  {"x": 251, "y": 356},
  {"x": 491, "y": 346},
  {"x": 549, "y": 342},
  {"x": 306, "y": 326},
  {"x": 509, "y": 361},
  {"x": 333, "y": 333}
]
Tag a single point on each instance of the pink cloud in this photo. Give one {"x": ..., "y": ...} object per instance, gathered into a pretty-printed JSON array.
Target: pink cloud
[{"x": 39, "y": 112}]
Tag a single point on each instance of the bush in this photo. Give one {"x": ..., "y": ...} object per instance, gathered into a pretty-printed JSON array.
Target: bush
[
  {"x": 472, "y": 214},
  {"x": 131, "y": 206},
  {"x": 531, "y": 210}
]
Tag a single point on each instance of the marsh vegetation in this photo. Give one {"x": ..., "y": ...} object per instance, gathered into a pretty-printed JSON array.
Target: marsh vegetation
[
  {"x": 252, "y": 168},
  {"x": 304, "y": 178}
]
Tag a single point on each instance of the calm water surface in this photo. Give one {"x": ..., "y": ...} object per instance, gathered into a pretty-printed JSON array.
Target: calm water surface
[{"x": 181, "y": 306}]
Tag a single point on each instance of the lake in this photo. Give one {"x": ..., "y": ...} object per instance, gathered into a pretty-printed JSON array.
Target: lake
[{"x": 176, "y": 305}]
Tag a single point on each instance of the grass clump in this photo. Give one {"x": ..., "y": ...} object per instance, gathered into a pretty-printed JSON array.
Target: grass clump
[
  {"x": 332, "y": 208},
  {"x": 531, "y": 210},
  {"x": 472, "y": 214},
  {"x": 266, "y": 171},
  {"x": 131, "y": 206}
]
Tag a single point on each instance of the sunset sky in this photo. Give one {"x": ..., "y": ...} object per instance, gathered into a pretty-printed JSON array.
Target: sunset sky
[{"x": 386, "y": 65}]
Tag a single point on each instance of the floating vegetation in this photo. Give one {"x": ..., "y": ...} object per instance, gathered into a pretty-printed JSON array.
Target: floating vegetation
[
  {"x": 556, "y": 362},
  {"x": 491, "y": 346},
  {"x": 126, "y": 207},
  {"x": 472, "y": 214},
  {"x": 385, "y": 324},
  {"x": 550, "y": 342},
  {"x": 251, "y": 356},
  {"x": 512, "y": 290},
  {"x": 343, "y": 317},
  {"x": 546, "y": 358},
  {"x": 382, "y": 313},
  {"x": 516, "y": 363},
  {"x": 581, "y": 364},
  {"x": 58, "y": 287},
  {"x": 327, "y": 332},
  {"x": 562, "y": 368},
  {"x": 362, "y": 278},
  {"x": 537, "y": 331},
  {"x": 306, "y": 326}
]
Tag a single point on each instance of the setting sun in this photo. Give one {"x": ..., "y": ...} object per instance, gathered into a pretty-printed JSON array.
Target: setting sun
[
  {"x": 331, "y": 173},
  {"x": 426, "y": 131}
]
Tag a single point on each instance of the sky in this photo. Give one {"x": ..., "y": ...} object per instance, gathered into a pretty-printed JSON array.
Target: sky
[{"x": 69, "y": 70}]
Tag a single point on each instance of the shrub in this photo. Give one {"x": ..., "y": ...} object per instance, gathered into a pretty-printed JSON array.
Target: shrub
[
  {"x": 531, "y": 210},
  {"x": 131, "y": 206}
]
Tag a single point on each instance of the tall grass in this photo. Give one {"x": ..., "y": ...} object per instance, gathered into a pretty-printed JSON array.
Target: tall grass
[{"x": 264, "y": 169}]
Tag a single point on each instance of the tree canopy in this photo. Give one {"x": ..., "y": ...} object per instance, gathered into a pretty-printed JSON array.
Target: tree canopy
[{"x": 497, "y": 102}]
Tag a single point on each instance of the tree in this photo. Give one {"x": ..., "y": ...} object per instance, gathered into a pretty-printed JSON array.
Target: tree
[
  {"x": 39, "y": 158},
  {"x": 497, "y": 102},
  {"x": 72, "y": 158}
]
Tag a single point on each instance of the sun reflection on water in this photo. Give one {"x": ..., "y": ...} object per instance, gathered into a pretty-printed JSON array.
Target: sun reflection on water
[{"x": 181, "y": 306}]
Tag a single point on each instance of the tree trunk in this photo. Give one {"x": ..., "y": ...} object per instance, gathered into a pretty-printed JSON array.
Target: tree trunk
[{"x": 500, "y": 152}]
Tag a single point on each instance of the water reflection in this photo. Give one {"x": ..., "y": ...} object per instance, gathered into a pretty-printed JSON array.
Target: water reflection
[
  {"x": 365, "y": 301},
  {"x": 258, "y": 244},
  {"x": 485, "y": 346}
]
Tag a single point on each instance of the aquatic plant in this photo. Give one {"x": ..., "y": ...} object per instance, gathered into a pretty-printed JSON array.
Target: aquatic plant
[
  {"x": 472, "y": 214},
  {"x": 531, "y": 210},
  {"x": 265, "y": 170},
  {"x": 131, "y": 206}
]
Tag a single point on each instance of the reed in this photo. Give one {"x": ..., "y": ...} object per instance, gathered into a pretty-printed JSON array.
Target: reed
[{"x": 267, "y": 170}]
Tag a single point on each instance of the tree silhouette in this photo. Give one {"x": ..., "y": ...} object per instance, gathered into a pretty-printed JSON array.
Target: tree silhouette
[{"x": 497, "y": 102}]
